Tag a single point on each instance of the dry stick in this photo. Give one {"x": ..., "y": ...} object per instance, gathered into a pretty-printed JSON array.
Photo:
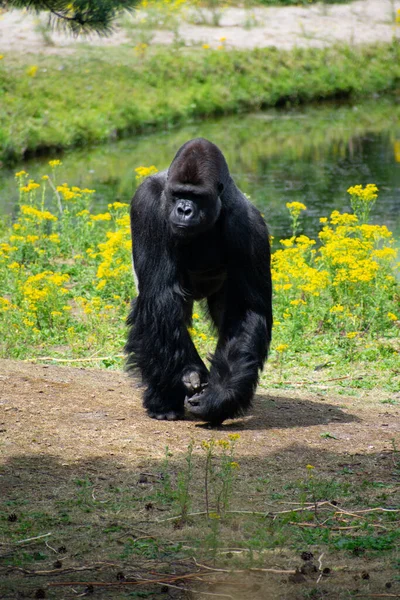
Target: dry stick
[
  {"x": 315, "y": 382},
  {"x": 92, "y": 358},
  {"x": 246, "y": 512},
  {"x": 377, "y": 596},
  {"x": 38, "y": 537},
  {"x": 161, "y": 581},
  {"x": 320, "y": 567},
  {"x": 256, "y": 569},
  {"x": 316, "y": 525},
  {"x": 53, "y": 187},
  {"x": 32, "y": 573}
]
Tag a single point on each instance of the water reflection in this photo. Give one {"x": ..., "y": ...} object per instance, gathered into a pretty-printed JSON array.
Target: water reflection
[{"x": 310, "y": 155}]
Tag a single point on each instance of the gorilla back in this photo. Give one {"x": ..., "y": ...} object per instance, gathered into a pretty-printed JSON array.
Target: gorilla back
[{"x": 196, "y": 236}]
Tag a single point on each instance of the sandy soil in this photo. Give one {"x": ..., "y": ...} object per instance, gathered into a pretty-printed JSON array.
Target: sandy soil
[
  {"x": 73, "y": 414},
  {"x": 360, "y": 22}
]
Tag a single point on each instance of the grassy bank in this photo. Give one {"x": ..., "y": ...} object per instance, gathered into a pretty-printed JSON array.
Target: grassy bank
[{"x": 52, "y": 103}]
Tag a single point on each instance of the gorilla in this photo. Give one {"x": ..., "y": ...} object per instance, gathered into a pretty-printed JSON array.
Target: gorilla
[{"x": 196, "y": 236}]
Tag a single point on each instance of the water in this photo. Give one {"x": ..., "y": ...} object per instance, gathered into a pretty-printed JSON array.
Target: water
[{"x": 311, "y": 155}]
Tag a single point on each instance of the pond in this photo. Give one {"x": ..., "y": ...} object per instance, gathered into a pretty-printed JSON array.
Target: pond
[{"x": 308, "y": 154}]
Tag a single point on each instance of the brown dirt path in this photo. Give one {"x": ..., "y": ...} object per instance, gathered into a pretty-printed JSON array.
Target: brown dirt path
[{"x": 74, "y": 413}]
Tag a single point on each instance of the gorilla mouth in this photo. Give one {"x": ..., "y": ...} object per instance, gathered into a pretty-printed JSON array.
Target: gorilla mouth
[{"x": 181, "y": 229}]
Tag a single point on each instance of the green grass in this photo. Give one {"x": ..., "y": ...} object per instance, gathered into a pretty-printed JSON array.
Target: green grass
[
  {"x": 130, "y": 528},
  {"x": 97, "y": 95}
]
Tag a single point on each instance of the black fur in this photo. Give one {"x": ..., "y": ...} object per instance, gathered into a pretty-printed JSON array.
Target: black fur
[{"x": 195, "y": 235}]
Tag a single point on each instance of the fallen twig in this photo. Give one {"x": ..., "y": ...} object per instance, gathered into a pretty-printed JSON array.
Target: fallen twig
[
  {"x": 320, "y": 567},
  {"x": 377, "y": 596},
  {"x": 254, "y": 569},
  {"x": 334, "y": 528},
  {"x": 310, "y": 382},
  {"x": 161, "y": 581},
  {"x": 38, "y": 537},
  {"x": 32, "y": 573},
  {"x": 91, "y": 358}
]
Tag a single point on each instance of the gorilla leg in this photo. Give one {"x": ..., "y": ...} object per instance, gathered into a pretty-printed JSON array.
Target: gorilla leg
[{"x": 159, "y": 346}]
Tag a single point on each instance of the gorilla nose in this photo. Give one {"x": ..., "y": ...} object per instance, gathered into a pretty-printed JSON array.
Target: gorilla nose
[{"x": 184, "y": 210}]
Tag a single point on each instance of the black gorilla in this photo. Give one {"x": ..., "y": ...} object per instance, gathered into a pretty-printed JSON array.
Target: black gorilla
[{"x": 195, "y": 235}]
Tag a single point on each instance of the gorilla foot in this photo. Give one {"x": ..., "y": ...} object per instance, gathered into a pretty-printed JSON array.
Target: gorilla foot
[
  {"x": 192, "y": 382},
  {"x": 170, "y": 415}
]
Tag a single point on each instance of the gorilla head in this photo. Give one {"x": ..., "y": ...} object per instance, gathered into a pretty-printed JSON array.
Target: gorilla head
[{"x": 193, "y": 189}]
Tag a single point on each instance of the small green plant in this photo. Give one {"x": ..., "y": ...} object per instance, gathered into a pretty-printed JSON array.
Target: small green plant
[{"x": 219, "y": 473}]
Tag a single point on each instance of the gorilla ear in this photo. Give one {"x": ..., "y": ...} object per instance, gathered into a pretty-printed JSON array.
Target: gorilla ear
[{"x": 220, "y": 188}]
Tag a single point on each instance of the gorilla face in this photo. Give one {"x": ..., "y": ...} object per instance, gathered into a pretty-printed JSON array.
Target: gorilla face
[{"x": 191, "y": 210}]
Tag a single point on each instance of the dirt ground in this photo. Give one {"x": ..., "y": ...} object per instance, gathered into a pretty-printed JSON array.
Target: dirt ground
[
  {"x": 359, "y": 22},
  {"x": 74, "y": 414},
  {"x": 59, "y": 424}
]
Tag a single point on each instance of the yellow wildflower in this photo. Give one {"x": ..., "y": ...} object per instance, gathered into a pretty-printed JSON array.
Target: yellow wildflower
[
  {"x": 295, "y": 208},
  {"x": 142, "y": 172},
  {"x": 101, "y": 217},
  {"x": 282, "y": 347},
  {"x": 32, "y": 71}
]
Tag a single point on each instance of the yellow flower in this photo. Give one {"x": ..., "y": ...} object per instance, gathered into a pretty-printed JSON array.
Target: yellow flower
[
  {"x": 282, "y": 347},
  {"x": 206, "y": 46},
  {"x": 101, "y": 217},
  {"x": 368, "y": 194},
  {"x": 117, "y": 205},
  {"x": 14, "y": 266},
  {"x": 32, "y": 71},
  {"x": 40, "y": 215},
  {"x": 30, "y": 186},
  {"x": 5, "y": 304},
  {"x": 310, "y": 467},
  {"x": 234, "y": 465},
  {"x": 142, "y": 172},
  {"x": 295, "y": 208},
  {"x": 21, "y": 173},
  {"x": 338, "y": 308},
  {"x": 297, "y": 302},
  {"x": 352, "y": 334},
  {"x": 223, "y": 444},
  {"x": 55, "y": 163},
  {"x": 233, "y": 437},
  {"x": 392, "y": 316}
]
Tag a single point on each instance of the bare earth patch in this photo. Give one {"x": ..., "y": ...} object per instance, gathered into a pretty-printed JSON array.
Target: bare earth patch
[
  {"x": 360, "y": 22},
  {"x": 70, "y": 437}
]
